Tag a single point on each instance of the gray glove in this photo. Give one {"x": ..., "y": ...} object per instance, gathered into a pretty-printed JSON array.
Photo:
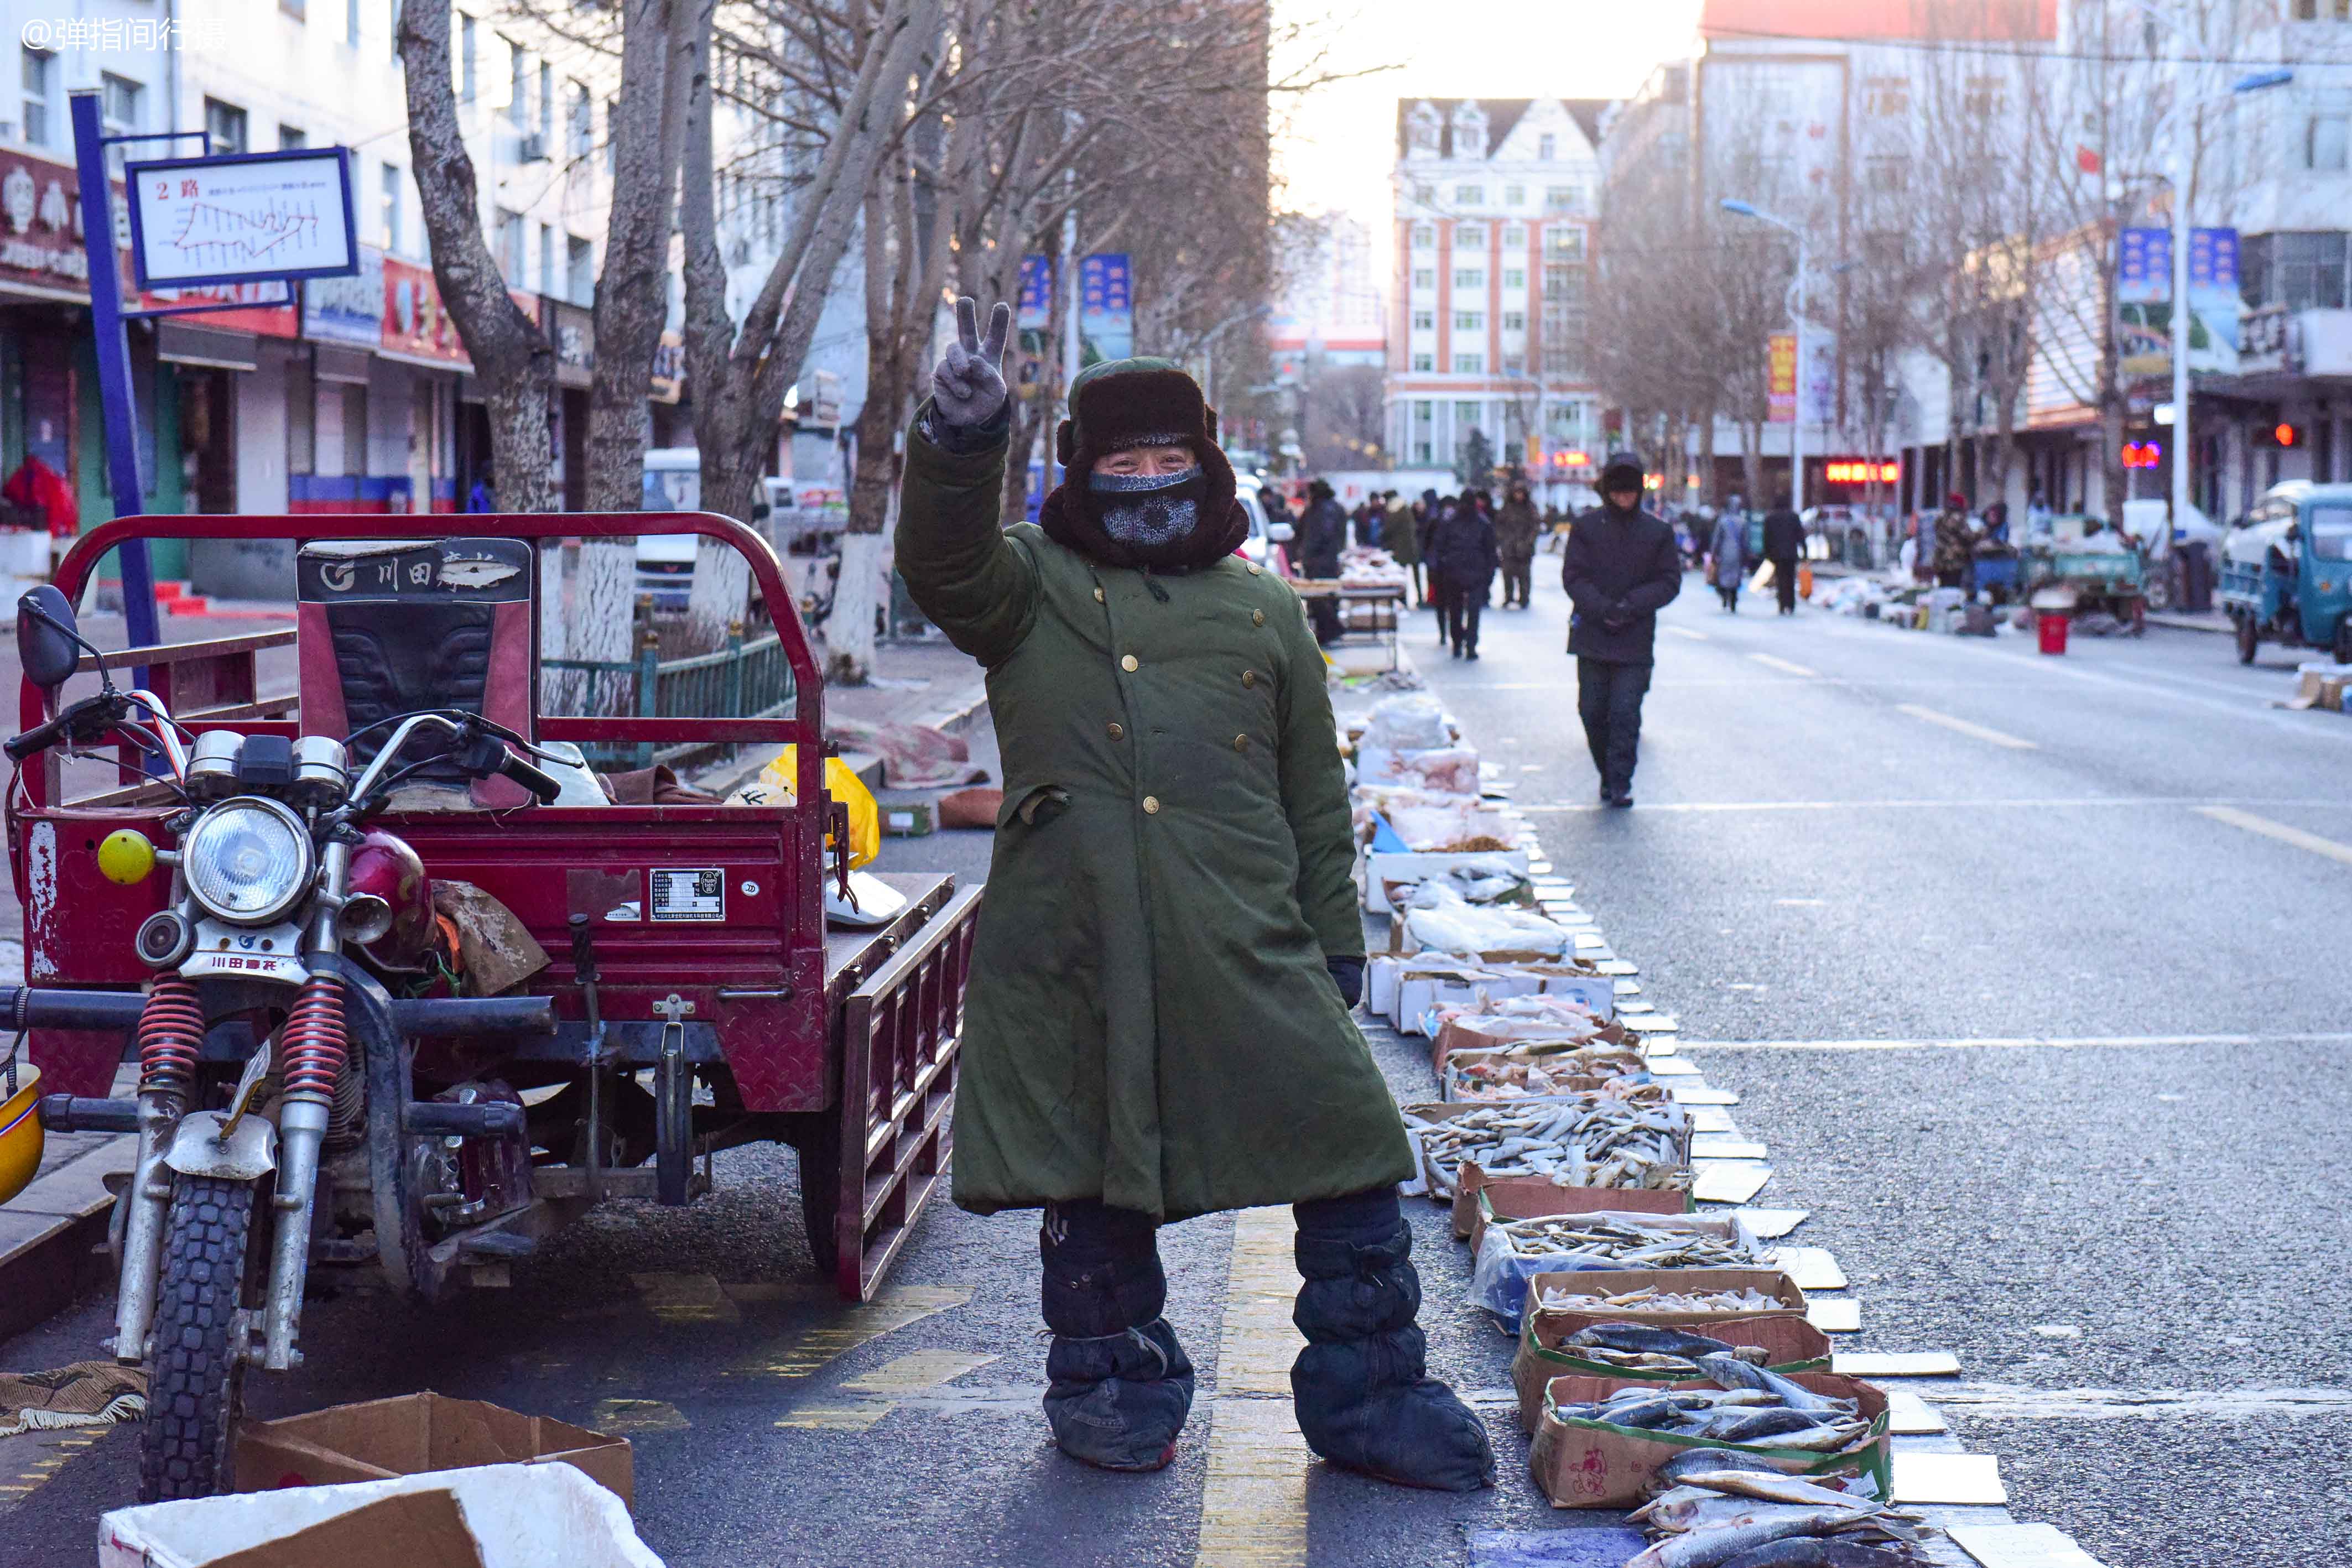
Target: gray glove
[{"x": 968, "y": 384}]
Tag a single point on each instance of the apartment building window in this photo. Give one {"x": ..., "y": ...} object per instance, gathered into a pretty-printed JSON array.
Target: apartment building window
[
  {"x": 547, "y": 104},
  {"x": 1515, "y": 196},
  {"x": 293, "y": 139},
  {"x": 2302, "y": 271},
  {"x": 1469, "y": 364},
  {"x": 1470, "y": 277},
  {"x": 612, "y": 138},
  {"x": 1425, "y": 362},
  {"x": 1515, "y": 277},
  {"x": 1424, "y": 194},
  {"x": 1424, "y": 236},
  {"x": 583, "y": 122},
  {"x": 1546, "y": 147},
  {"x": 1466, "y": 413},
  {"x": 1424, "y": 321},
  {"x": 1470, "y": 195},
  {"x": 1514, "y": 238},
  {"x": 352, "y": 23},
  {"x": 509, "y": 233},
  {"x": 1891, "y": 170},
  {"x": 40, "y": 75},
  {"x": 1562, "y": 198},
  {"x": 387, "y": 222},
  {"x": 1469, "y": 321},
  {"x": 1563, "y": 285},
  {"x": 294, "y": 8},
  {"x": 1515, "y": 320},
  {"x": 1564, "y": 242},
  {"x": 2325, "y": 143},
  {"x": 1469, "y": 237},
  {"x": 224, "y": 127},
  {"x": 1425, "y": 278},
  {"x": 2323, "y": 10},
  {"x": 580, "y": 266},
  {"x": 468, "y": 83},
  {"x": 118, "y": 113},
  {"x": 518, "y": 83},
  {"x": 547, "y": 258}
]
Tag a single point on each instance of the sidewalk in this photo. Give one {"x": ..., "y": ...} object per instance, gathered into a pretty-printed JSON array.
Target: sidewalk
[{"x": 928, "y": 684}]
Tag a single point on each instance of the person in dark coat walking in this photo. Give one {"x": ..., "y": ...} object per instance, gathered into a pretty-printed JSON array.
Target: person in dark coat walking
[
  {"x": 1322, "y": 535},
  {"x": 1427, "y": 516},
  {"x": 1464, "y": 556},
  {"x": 1784, "y": 542},
  {"x": 1400, "y": 536},
  {"x": 1728, "y": 559},
  {"x": 1516, "y": 527},
  {"x": 1620, "y": 572},
  {"x": 1169, "y": 919}
]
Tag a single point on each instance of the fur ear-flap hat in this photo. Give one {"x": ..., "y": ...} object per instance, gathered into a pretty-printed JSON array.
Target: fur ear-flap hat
[{"x": 1123, "y": 403}]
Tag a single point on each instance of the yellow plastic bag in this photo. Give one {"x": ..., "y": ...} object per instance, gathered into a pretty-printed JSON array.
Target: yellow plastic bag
[{"x": 865, "y": 816}]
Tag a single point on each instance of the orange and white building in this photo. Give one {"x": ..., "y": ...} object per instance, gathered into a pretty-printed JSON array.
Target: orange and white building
[{"x": 1495, "y": 200}]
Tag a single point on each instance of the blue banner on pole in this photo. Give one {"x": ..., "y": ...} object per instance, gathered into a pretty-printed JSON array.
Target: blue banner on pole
[
  {"x": 1107, "y": 305},
  {"x": 1036, "y": 312},
  {"x": 2143, "y": 266}
]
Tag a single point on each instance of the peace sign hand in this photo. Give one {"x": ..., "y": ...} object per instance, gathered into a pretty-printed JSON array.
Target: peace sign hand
[{"x": 968, "y": 385}]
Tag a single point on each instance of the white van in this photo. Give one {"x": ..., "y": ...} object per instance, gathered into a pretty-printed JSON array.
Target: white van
[{"x": 674, "y": 484}]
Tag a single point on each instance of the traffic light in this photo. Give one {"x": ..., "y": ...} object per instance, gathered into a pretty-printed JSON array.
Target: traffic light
[{"x": 2280, "y": 436}]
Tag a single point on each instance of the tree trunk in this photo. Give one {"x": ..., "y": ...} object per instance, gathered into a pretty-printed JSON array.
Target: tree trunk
[
  {"x": 512, "y": 358},
  {"x": 665, "y": 50}
]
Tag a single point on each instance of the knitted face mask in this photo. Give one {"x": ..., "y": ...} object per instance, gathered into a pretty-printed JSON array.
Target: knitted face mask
[{"x": 1146, "y": 508}]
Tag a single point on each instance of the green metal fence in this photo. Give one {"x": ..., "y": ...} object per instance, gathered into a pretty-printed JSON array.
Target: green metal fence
[{"x": 743, "y": 680}]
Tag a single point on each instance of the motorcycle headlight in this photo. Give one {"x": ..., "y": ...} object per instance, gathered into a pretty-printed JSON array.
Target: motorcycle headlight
[{"x": 247, "y": 860}]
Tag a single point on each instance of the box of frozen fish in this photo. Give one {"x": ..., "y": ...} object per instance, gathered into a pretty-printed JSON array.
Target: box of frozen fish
[
  {"x": 1653, "y": 1353},
  {"x": 1579, "y": 1140},
  {"x": 1523, "y": 1197},
  {"x": 1602, "y": 1441},
  {"x": 1687, "y": 1297}
]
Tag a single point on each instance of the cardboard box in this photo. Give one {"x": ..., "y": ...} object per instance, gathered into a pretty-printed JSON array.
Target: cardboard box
[
  {"x": 1447, "y": 984},
  {"x": 1771, "y": 1282},
  {"x": 1530, "y": 1196},
  {"x": 415, "y": 1433},
  {"x": 1384, "y": 866},
  {"x": 1791, "y": 1344},
  {"x": 1458, "y": 1087},
  {"x": 1488, "y": 1032},
  {"x": 491, "y": 1516},
  {"x": 1500, "y": 1203},
  {"x": 1584, "y": 1464},
  {"x": 1441, "y": 1187}
]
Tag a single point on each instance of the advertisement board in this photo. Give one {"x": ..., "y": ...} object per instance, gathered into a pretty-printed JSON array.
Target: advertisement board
[
  {"x": 1781, "y": 377},
  {"x": 250, "y": 215}
]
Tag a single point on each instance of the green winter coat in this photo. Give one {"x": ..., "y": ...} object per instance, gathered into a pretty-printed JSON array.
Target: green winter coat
[
  {"x": 1148, "y": 1020},
  {"x": 1400, "y": 535}
]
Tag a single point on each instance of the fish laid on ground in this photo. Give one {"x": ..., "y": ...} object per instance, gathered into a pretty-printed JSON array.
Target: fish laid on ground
[
  {"x": 1662, "y": 1340},
  {"x": 1688, "y": 1507},
  {"x": 1813, "y": 1552},
  {"x": 1628, "y": 1243},
  {"x": 1835, "y": 1437},
  {"x": 1749, "y": 1480},
  {"x": 1737, "y": 1425},
  {"x": 1593, "y": 1140},
  {"x": 1712, "y": 1548},
  {"x": 1653, "y": 1300},
  {"x": 1733, "y": 1372},
  {"x": 1710, "y": 1461}
]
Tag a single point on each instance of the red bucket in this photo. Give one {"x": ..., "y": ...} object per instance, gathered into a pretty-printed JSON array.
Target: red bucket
[{"x": 2052, "y": 624}]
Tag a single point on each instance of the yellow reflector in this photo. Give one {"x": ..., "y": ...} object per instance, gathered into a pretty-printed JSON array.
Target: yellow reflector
[
  {"x": 126, "y": 857},
  {"x": 20, "y": 1132}
]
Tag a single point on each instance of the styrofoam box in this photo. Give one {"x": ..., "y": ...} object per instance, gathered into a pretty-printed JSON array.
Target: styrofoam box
[{"x": 1382, "y": 865}]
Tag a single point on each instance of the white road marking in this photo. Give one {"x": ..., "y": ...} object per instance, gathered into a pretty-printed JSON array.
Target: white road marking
[
  {"x": 2279, "y": 830},
  {"x": 1953, "y": 803},
  {"x": 1687, "y": 632},
  {"x": 2023, "y": 1042},
  {"x": 1785, "y": 667},
  {"x": 2002, "y": 1400},
  {"x": 1964, "y": 728}
]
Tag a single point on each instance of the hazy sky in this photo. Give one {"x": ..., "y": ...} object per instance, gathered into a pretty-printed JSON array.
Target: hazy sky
[{"x": 1341, "y": 142}]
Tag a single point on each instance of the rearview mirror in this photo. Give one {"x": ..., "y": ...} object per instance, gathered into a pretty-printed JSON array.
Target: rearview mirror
[{"x": 46, "y": 648}]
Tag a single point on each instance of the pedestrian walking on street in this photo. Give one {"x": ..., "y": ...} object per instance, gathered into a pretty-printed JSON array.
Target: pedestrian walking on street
[
  {"x": 1784, "y": 543},
  {"x": 1322, "y": 535},
  {"x": 1431, "y": 513},
  {"x": 1620, "y": 572},
  {"x": 1516, "y": 527},
  {"x": 1954, "y": 543},
  {"x": 1400, "y": 536},
  {"x": 1728, "y": 558},
  {"x": 1170, "y": 925},
  {"x": 1464, "y": 555}
]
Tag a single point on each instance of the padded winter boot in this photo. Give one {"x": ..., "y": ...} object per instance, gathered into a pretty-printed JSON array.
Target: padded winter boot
[
  {"x": 1118, "y": 1384},
  {"x": 1362, "y": 1388},
  {"x": 1118, "y": 1401}
]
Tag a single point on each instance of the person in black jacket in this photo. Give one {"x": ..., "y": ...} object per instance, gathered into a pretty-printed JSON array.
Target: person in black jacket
[
  {"x": 1620, "y": 570},
  {"x": 1464, "y": 556},
  {"x": 1784, "y": 541},
  {"x": 1322, "y": 535}
]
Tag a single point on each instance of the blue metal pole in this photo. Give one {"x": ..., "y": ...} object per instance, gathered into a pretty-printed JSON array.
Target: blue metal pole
[{"x": 120, "y": 409}]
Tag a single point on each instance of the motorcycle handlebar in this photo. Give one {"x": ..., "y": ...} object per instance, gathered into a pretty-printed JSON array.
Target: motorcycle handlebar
[
  {"x": 542, "y": 784},
  {"x": 41, "y": 736}
]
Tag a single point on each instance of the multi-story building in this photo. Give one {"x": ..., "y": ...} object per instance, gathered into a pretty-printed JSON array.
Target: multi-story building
[
  {"x": 1333, "y": 308},
  {"x": 1495, "y": 200}
]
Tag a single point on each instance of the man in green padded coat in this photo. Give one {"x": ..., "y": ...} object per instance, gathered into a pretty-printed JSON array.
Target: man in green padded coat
[{"x": 1158, "y": 1019}]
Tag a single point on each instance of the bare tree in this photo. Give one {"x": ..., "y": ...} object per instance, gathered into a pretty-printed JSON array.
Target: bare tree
[{"x": 1344, "y": 417}]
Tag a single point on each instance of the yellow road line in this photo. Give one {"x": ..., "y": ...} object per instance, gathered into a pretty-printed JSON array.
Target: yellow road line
[
  {"x": 810, "y": 1349},
  {"x": 1253, "y": 1503},
  {"x": 2279, "y": 830},
  {"x": 636, "y": 1418},
  {"x": 686, "y": 1298},
  {"x": 1785, "y": 667},
  {"x": 913, "y": 1374},
  {"x": 1963, "y": 727}
]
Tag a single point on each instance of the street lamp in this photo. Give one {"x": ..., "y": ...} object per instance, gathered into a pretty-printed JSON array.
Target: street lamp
[
  {"x": 2182, "y": 158},
  {"x": 1797, "y": 424}
]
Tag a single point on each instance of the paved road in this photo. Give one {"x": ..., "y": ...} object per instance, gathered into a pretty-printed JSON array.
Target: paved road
[{"x": 1847, "y": 834}]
